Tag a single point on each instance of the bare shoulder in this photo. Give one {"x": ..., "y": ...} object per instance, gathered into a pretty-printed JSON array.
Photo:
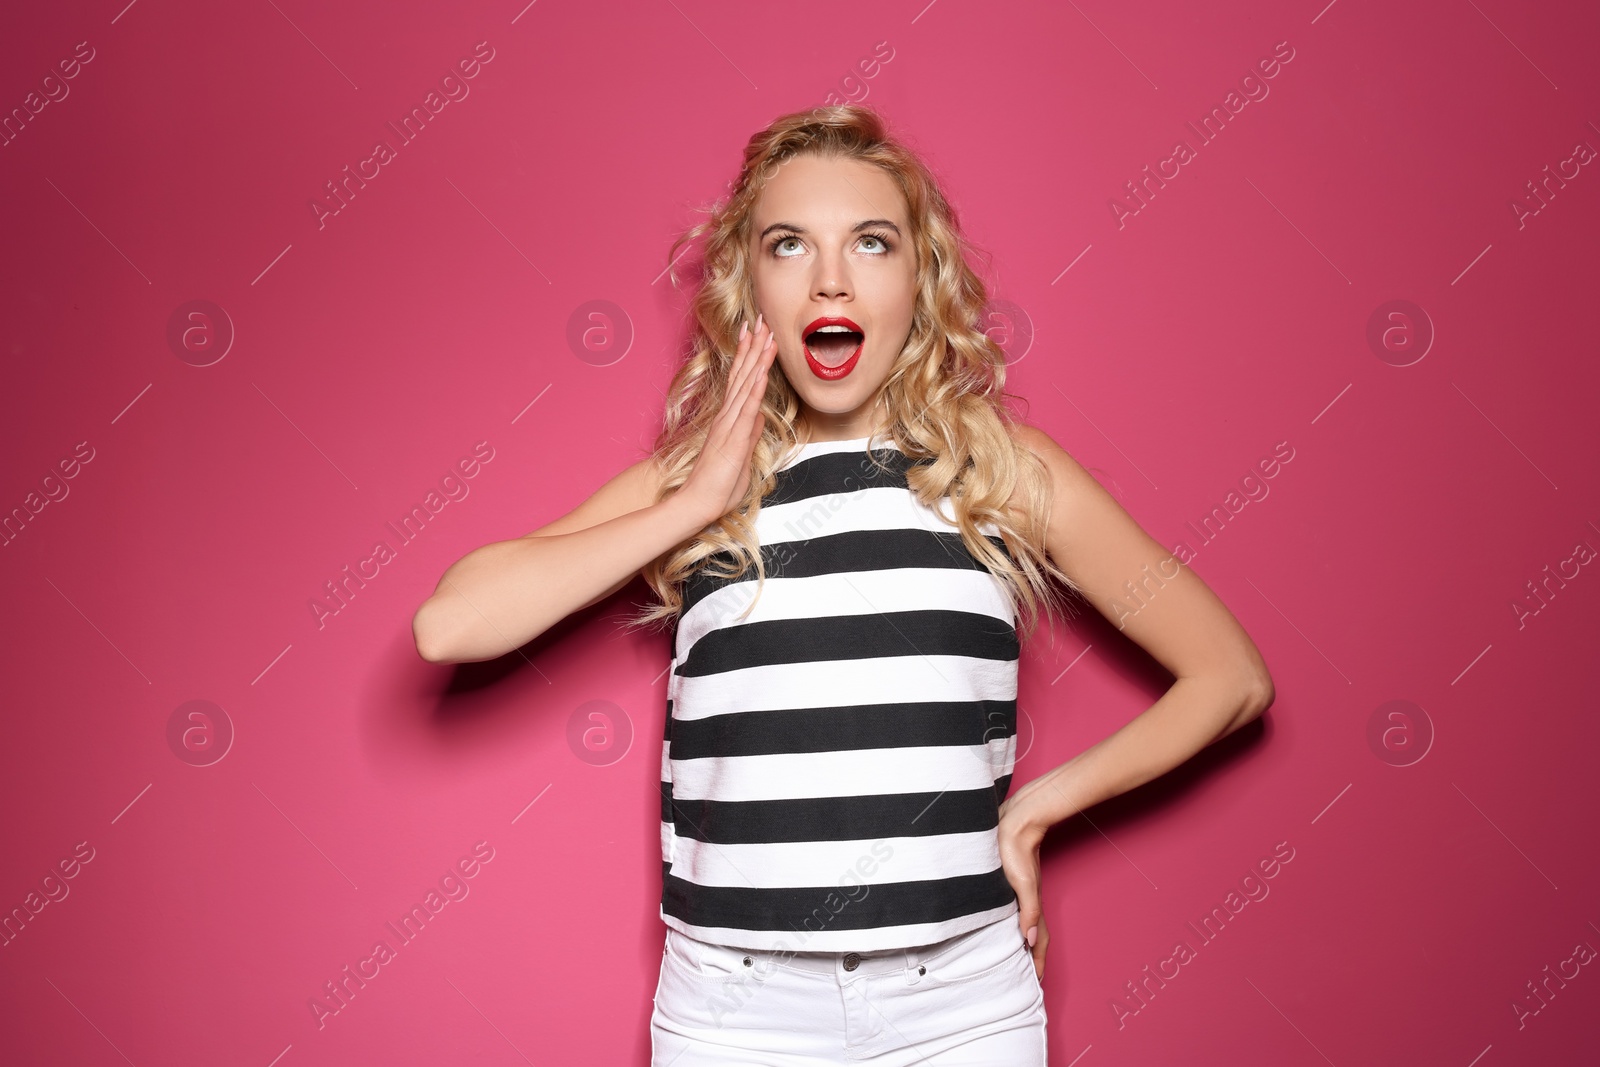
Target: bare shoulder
[
  {"x": 630, "y": 489},
  {"x": 1045, "y": 447},
  {"x": 1068, "y": 478},
  {"x": 1036, "y": 440}
]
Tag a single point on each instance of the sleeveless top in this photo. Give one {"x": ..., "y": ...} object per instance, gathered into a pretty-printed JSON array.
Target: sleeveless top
[{"x": 834, "y": 761}]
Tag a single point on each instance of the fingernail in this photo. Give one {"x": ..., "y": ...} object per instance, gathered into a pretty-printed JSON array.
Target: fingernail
[
  {"x": 758, "y": 320},
  {"x": 744, "y": 328},
  {"x": 1033, "y": 935}
]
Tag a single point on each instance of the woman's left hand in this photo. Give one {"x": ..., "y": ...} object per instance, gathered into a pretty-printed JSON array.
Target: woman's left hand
[{"x": 1019, "y": 856}]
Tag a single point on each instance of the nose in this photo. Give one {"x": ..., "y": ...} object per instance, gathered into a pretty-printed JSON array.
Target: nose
[{"x": 832, "y": 279}]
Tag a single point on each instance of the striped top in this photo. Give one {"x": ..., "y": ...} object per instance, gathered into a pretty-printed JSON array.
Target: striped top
[{"x": 834, "y": 761}]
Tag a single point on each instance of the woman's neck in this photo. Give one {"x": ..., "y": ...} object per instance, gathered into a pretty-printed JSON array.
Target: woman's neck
[{"x": 811, "y": 428}]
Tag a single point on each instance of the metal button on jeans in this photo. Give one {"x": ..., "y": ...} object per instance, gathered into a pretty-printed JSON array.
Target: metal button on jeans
[{"x": 852, "y": 960}]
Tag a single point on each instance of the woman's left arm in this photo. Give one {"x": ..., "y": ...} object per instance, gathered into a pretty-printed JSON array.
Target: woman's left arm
[{"x": 1220, "y": 684}]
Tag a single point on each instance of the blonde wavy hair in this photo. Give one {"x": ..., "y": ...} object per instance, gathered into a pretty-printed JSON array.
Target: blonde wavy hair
[{"x": 944, "y": 395}]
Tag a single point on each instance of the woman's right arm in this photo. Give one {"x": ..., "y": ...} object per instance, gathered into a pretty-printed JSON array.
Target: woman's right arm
[{"x": 503, "y": 595}]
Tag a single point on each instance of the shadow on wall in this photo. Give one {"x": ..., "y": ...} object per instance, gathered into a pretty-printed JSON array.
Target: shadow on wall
[
  {"x": 420, "y": 719},
  {"x": 1136, "y": 670}
]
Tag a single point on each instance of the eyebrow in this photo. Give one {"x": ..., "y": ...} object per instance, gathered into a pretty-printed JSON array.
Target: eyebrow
[{"x": 857, "y": 228}]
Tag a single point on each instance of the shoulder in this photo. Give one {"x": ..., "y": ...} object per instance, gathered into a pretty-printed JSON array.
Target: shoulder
[
  {"x": 1035, "y": 440},
  {"x": 1066, "y": 476},
  {"x": 1056, "y": 459}
]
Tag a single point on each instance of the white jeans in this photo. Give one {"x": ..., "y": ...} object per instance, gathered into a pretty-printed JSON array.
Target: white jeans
[{"x": 971, "y": 1000}]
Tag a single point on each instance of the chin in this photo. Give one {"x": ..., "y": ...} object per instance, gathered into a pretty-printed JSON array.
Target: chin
[
  {"x": 837, "y": 397},
  {"x": 835, "y": 401}
]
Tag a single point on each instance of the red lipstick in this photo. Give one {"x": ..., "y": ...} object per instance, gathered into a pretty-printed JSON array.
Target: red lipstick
[{"x": 842, "y": 328}]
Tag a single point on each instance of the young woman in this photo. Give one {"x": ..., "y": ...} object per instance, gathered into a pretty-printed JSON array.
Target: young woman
[{"x": 847, "y": 547}]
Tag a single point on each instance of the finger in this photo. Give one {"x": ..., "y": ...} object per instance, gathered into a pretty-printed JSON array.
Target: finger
[
  {"x": 755, "y": 341},
  {"x": 754, "y": 419},
  {"x": 758, "y": 341},
  {"x": 752, "y": 383},
  {"x": 732, "y": 398},
  {"x": 741, "y": 361},
  {"x": 1029, "y": 915},
  {"x": 738, "y": 443},
  {"x": 1028, "y": 909},
  {"x": 751, "y": 348},
  {"x": 724, "y": 436}
]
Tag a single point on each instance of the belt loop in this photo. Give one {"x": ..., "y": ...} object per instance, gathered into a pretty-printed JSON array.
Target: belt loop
[{"x": 914, "y": 968}]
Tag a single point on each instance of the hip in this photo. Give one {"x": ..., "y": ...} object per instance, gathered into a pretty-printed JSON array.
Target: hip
[{"x": 973, "y": 998}]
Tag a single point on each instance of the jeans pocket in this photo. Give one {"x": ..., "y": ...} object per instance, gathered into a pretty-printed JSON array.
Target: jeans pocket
[
  {"x": 701, "y": 959},
  {"x": 979, "y": 954}
]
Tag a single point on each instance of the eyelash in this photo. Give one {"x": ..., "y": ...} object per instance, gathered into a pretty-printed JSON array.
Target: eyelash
[{"x": 881, "y": 238}]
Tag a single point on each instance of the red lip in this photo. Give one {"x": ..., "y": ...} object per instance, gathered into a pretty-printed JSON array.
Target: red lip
[
  {"x": 832, "y": 320},
  {"x": 832, "y": 374}
]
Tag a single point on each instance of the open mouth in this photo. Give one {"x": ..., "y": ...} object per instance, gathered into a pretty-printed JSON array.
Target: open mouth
[{"x": 833, "y": 345}]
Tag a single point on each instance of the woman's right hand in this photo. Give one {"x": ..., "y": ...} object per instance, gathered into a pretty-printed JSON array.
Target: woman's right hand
[{"x": 721, "y": 473}]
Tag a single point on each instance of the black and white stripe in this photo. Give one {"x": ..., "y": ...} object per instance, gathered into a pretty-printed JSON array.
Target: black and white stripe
[{"x": 834, "y": 760}]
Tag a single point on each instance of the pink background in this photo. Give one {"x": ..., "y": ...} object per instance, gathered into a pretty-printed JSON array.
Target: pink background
[{"x": 437, "y": 309}]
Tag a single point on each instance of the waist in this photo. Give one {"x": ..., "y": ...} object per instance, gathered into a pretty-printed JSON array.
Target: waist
[{"x": 1001, "y": 930}]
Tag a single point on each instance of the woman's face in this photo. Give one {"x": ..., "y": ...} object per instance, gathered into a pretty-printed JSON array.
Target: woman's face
[{"x": 831, "y": 240}]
